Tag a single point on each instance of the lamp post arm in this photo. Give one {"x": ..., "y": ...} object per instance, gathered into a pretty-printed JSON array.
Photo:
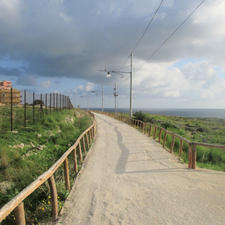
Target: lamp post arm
[{"x": 113, "y": 71}]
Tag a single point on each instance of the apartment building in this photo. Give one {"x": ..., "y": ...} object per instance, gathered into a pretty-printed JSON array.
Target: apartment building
[{"x": 5, "y": 94}]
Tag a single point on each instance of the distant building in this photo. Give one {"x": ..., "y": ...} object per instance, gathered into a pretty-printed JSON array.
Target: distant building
[
  {"x": 5, "y": 93},
  {"x": 5, "y": 85}
]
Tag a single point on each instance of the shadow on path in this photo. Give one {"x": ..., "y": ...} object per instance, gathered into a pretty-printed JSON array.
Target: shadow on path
[
  {"x": 123, "y": 160},
  {"x": 121, "y": 163}
]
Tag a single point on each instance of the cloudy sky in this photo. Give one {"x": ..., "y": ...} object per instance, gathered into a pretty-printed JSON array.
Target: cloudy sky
[{"x": 60, "y": 45}]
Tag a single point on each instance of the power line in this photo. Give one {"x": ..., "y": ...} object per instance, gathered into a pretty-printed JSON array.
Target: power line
[
  {"x": 148, "y": 26},
  {"x": 174, "y": 31},
  {"x": 145, "y": 30}
]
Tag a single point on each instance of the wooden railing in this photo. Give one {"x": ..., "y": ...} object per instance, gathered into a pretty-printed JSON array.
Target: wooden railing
[
  {"x": 16, "y": 204},
  {"x": 157, "y": 133}
]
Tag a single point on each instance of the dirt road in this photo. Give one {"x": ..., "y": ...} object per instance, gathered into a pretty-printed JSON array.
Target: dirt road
[{"x": 130, "y": 179}]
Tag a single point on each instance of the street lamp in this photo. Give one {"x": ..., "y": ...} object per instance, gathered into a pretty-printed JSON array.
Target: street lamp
[
  {"x": 87, "y": 97},
  {"x": 108, "y": 75}
]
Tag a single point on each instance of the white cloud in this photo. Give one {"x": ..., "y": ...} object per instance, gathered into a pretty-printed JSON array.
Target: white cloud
[
  {"x": 89, "y": 86},
  {"x": 46, "y": 84},
  {"x": 65, "y": 17},
  {"x": 159, "y": 80},
  {"x": 10, "y": 13},
  {"x": 85, "y": 89},
  {"x": 197, "y": 83}
]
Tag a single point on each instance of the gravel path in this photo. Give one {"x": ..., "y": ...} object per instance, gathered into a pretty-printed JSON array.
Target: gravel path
[{"x": 130, "y": 179}]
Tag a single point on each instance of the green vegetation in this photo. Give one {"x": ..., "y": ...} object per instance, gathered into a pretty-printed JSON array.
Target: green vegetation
[
  {"x": 18, "y": 116},
  {"x": 28, "y": 152},
  {"x": 206, "y": 130}
]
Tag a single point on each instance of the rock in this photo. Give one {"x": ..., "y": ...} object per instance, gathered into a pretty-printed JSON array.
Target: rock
[
  {"x": 69, "y": 119},
  {"x": 41, "y": 147},
  {"x": 15, "y": 132},
  {"x": 32, "y": 145},
  {"x": 58, "y": 131},
  {"x": 51, "y": 133},
  {"x": 4, "y": 186},
  {"x": 19, "y": 146}
]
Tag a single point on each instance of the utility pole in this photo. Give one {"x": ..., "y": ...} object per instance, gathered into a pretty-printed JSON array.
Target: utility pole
[
  {"x": 131, "y": 82},
  {"x": 115, "y": 95},
  {"x": 102, "y": 99},
  {"x": 131, "y": 85}
]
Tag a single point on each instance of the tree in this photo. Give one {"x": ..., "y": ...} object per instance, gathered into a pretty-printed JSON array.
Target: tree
[{"x": 38, "y": 102}]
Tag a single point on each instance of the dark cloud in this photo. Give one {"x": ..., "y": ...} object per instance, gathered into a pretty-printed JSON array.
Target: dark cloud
[{"x": 75, "y": 39}]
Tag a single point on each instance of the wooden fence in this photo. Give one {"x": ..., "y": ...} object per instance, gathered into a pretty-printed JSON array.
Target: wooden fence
[
  {"x": 16, "y": 204},
  {"x": 160, "y": 135}
]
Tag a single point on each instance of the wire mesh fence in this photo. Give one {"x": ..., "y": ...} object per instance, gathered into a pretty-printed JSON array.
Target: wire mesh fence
[{"x": 25, "y": 108}]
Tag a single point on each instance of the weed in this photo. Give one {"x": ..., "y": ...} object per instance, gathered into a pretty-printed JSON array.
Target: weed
[{"x": 27, "y": 153}]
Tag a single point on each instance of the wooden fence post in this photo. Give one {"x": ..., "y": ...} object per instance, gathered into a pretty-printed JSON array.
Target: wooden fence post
[
  {"x": 164, "y": 139},
  {"x": 75, "y": 159},
  {"x": 150, "y": 130},
  {"x": 54, "y": 197},
  {"x": 154, "y": 136},
  {"x": 194, "y": 153},
  {"x": 84, "y": 147},
  {"x": 190, "y": 156},
  {"x": 88, "y": 144},
  {"x": 20, "y": 214},
  {"x": 180, "y": 147},
  {"x": 160, "y": 133},
  {"x": 172, "y": 145},
  {"x": 80, "y": 153},
  {"x": 66, "y": 174},
  {"x": 91, "y": 135}
]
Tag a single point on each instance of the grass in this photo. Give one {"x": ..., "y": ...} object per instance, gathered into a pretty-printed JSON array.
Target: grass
[
  {"x": 28, "y": 152},
  {"x": 18, "y": 116},
  {"x": 206, "y": 130}
]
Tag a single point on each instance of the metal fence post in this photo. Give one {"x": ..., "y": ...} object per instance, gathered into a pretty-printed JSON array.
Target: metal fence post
[
  {"x": 41, "y": 105},
  {"x": 50, "y": 102},
  {"x": 33, "y": 108},
  {"x": 11, "y": 112},
  {"x": 56, "y": 101},
  {"x": 53, "y": 101},
  {"x": 60, "y": 98},
  {"x": 25, "y": 108},
  {"x": 46, "y": 103}
]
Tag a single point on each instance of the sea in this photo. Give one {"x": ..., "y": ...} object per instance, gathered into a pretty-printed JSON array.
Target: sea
[{"x": 197, "y": 113}]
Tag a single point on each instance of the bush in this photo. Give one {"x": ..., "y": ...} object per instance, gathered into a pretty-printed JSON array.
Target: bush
[{"x": 140, "y": 116}]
